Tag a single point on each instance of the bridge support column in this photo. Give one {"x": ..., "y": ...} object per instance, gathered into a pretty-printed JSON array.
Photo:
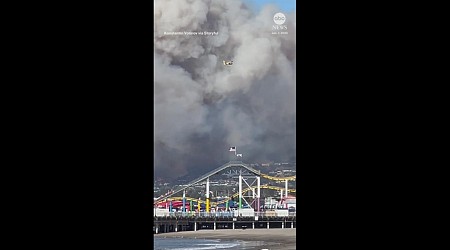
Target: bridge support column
[
  {"x": 268, "y": 225},
  {"x": 214, "y": 225}
]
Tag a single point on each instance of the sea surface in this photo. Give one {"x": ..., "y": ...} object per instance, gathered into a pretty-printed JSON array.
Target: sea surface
[{"x": 198, "y": 244}]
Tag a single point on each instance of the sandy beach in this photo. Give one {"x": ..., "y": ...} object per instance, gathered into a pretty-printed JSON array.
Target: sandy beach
[{"x": 276, "y": 238}]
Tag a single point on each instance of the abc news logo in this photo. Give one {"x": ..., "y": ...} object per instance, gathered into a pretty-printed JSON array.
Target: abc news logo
[{"x": 279, "y": 19}]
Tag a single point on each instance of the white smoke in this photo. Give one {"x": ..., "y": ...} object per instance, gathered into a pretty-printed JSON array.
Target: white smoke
[{"x": 203, "y": 107}]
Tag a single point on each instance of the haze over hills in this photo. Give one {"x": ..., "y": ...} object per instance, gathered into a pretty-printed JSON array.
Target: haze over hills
[{"x": 272, "y": 169}]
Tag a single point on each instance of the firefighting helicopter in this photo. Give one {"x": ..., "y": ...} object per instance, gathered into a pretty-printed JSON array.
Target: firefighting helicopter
[{"x": 227, "y": 63}]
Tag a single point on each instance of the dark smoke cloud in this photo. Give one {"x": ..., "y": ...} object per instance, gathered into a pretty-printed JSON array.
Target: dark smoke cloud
[{"x": 202, "y": 107}]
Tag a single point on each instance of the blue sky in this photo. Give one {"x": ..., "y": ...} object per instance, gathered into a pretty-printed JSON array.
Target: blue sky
[{"x": 285, "y": 5}]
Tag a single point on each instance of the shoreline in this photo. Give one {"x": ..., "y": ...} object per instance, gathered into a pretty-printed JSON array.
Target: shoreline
[{"x": 276, "y": 238}]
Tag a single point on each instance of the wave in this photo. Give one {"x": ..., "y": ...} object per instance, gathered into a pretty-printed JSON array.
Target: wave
[{"x": 209, "y": 246}]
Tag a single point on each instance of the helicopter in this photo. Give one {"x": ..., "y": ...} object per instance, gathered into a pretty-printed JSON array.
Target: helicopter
[{"x": 227, "y": 63}]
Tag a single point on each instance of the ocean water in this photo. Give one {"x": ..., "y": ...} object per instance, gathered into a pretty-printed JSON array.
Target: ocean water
[{"x": 200, "y": 244}]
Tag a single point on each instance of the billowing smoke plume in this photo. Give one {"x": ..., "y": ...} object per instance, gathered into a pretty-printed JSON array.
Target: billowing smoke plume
[{"x": 203, "y": 107}]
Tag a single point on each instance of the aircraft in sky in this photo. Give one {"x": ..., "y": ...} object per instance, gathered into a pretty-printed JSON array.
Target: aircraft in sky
[{"x": 227, "y": 63}]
